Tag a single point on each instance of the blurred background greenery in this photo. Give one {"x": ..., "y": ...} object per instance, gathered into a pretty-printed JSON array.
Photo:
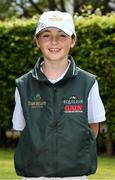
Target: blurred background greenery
[{"x": 94, "y": 52}]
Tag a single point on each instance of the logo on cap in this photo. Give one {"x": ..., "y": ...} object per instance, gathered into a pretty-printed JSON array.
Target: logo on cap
[{"x": 56, "y": 17}]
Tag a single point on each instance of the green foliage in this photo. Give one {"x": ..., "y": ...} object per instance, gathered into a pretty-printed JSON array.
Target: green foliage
[
  {"x": 17, "y": 55},
  {"x": 6, "y": 9},
  {"x": 93, "y": 52}
]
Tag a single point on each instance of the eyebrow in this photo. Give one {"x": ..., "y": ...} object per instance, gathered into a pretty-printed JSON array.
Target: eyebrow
[{"x": 45, "y": 31}]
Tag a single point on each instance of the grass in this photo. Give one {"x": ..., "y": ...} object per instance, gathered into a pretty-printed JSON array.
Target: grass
[
  {"x": 7, "y": 170},
  {"x": 106, "y": 167}
]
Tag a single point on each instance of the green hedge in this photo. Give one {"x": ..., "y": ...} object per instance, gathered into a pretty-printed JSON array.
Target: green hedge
[{"x": 94, "y": 52}]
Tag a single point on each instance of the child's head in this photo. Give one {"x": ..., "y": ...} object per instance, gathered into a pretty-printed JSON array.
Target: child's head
[
  {"x": 55, "y": 35},
  {"x": 56, "y": 19}
]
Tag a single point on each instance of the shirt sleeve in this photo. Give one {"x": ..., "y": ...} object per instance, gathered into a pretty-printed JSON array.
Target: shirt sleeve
[
  {"x": 18, "y": 117},
  {"x": 96, "y": 111}
]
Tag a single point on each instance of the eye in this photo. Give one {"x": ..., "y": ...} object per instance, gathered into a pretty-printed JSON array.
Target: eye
[
  {"x": 45, "y": 35},
  {"x": 63, "y": 35}
]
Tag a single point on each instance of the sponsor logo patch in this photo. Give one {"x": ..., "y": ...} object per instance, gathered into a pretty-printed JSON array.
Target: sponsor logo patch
[
  {"x": 73, "y": 104},
  {"x": 36, "y": 102}
]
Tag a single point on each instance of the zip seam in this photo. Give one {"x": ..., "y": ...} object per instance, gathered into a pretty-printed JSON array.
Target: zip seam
[{"x": 55, "y": 120}]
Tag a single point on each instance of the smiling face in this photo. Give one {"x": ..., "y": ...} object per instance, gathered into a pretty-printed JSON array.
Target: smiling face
[{"x": 54, "y": 44}]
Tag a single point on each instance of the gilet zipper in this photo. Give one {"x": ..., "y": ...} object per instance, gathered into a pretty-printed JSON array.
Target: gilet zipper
[{"x": 55, "y": 126}]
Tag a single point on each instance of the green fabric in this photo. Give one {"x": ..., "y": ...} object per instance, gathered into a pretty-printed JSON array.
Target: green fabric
[{"x": 57, "y": 141}]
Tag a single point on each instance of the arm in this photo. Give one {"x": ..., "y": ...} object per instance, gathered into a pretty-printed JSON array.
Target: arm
[
  {"x": 96, "y": 111},
  {"x": 18, "y": 117},
  {"x": 95, "y": 128}
]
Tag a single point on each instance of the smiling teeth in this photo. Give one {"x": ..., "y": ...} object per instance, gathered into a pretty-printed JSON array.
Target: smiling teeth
[{"x": 54, "y": 50}]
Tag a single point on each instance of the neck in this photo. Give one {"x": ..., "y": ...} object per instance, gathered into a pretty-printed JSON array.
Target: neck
[{"x": 54, "y": 70}]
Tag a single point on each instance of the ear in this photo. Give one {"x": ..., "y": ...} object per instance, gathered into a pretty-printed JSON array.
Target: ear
[
  {"x": 36, "y": 41},
  {"x": 74, "y": 40}
]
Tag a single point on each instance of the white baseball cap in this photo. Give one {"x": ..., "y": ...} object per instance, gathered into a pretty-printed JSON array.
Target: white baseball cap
[{"x": 57, "y": 19}]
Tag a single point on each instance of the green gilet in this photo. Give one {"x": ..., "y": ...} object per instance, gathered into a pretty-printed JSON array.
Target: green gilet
[{"x": 56, "y": 141}]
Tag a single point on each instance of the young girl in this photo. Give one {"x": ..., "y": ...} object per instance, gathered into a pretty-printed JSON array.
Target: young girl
[{"x": 58, "y": 108}]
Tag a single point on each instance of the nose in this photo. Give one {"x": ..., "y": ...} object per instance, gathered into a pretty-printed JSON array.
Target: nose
[{"x": 54, "y": 40}]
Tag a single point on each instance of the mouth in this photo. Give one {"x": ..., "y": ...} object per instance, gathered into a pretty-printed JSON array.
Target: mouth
[{"x": 54, "y": 50}]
